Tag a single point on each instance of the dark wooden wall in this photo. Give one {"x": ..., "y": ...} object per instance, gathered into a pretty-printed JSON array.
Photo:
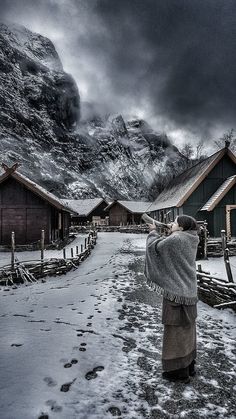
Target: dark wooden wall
[
  {"x": 117, "y": 215},
  {"x": 215, "y": 219},
  {"x": 99, "y": 211},
  {"x": 209, "y": 185},
  {"x": 25, "y": 213}
]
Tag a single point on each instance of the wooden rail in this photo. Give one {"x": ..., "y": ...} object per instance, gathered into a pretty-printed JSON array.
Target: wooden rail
[
  {"x": 29, "y": 271},
  {"x": 216, "y": 292}
]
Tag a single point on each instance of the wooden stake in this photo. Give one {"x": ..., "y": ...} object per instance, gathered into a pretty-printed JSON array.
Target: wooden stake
[
  {"x": 12, "y": 249},
  {"x": 199, "y": 268},
  {"x": 77, "y": 250},
  {"x": 205, "y": 241},
  {"x": 226, "y": 256},
  {"x": 81, "y": 248},
  {"x": 64, "y": 253},
  {"x": 85, "y": 243},
  {"x": 72, "y": 252},
  {"x": 42, "y": 249}
]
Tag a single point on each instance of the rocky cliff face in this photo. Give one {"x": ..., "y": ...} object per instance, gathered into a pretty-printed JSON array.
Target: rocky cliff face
[{"x": 40, "y": 128}]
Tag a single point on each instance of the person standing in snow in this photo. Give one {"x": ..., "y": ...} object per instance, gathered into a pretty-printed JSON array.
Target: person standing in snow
[{"x": 170, "y": 270}]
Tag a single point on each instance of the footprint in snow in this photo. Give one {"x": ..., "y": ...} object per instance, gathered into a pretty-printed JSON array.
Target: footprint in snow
[
  {"x": 66, "y": 387},
  {"x": 68, "y": 365},
  {"x": 43, "y": 416},
  {"x": 93, "y": 374},
  {"x": 115, "y": 411},
  {"x": 54, "y": 406},
  {"x": 50, "y": 382}
]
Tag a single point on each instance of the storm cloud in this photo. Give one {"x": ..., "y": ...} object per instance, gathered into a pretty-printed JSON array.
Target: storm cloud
[{"x": 171, "y": 62}]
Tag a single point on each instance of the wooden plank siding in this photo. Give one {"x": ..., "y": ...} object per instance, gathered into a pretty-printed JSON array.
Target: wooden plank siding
[
  {"x": 118, "y": 215},
  {"x": 217, "y": 217},
  {"x": 208, "y": 186},
  {"x": 26, "y": 213},
  {"x": 98, "y": 211}
]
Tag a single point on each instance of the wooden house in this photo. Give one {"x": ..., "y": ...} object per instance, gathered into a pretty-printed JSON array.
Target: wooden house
[
  {"x": 126, "y": 212},
  {"x": 206, "y": 191},
  {"x": 89, "y": 211},
  {"x": 26, "y": 208}
]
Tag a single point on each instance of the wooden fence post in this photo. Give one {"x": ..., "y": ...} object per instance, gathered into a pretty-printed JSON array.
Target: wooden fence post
[
  {"x": 72, "y": 252},
  {"x": 77, "y": 250},
  {"x": 226, "y": 256},
  {"x": 64, "y": 253},
  {"x": 12, "y": 250},
  {"x": 205, "y": 240},
  {"x": 199, "y": 268},
  {"x": 42, "y": 249},
  {"x": 85, "y": 243},
  {"x": 81, "y": 248}
]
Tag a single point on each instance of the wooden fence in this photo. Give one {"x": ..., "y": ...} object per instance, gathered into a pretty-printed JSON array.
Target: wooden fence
[
  {"x": 216, "y": 292},
  {"x": 29, "y": 271}
]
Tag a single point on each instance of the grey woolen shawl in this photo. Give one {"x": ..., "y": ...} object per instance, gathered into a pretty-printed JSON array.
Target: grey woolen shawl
[{"x": 170, "y": 266}]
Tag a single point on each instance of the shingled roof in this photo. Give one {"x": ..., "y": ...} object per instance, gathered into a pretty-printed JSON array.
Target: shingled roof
[
  {"x": 135, "y": 207},
  {"x": 83, "y": 207},
  {"x": 34, "y": 187},
  {"x": 219, "y": 194},
  {"x": 183, "y": 185}
]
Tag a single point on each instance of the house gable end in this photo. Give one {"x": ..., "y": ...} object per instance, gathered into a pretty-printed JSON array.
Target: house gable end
[{"x": 214, "y": 179}]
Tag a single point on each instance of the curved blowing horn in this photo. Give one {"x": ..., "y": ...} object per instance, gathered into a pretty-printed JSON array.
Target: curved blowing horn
[{"x": 149, "y": 220}]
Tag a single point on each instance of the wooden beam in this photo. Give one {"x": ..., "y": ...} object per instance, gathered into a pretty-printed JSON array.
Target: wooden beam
[{"x": 11, "y": 169}]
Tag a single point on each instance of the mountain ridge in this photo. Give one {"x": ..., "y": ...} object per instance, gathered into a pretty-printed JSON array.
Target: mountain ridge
[{"x": 42, "y": 129}]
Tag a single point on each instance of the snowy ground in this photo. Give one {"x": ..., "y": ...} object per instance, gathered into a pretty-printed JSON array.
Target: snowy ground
[
  {"x": 217, "y": 268},
  {"x": 5, "y": 257},
  {"x": 88, "y": 345}
]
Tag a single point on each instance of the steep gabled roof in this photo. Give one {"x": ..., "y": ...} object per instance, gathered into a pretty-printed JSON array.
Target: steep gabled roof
[
  {"x": 83, "y": 207},
  {"x": 183, "y": 185},
  {"x": 135, "y": 207},
  {"x": 219, "y": 194},
  {"x": 34, "y": 187}
]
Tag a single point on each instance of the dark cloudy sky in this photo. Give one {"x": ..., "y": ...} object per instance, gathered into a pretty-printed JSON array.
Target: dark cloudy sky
[{"x": 172, "y": 62}]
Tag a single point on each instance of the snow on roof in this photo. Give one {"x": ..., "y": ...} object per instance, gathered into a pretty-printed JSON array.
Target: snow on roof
[
  {"x": 219, "y": 194},
  {"x": 133, "y": 206},
  {"x": 182, "y": 186},
  {"x": 83, "y": 207},
  {"x": 39, "y": 190}
]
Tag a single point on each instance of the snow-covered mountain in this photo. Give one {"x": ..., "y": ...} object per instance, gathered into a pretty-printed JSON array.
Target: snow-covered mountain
[{"x": 40, "y": 127}]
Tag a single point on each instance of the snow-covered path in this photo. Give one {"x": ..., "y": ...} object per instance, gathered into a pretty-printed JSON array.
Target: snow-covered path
[{"x": 88, "y": 345}]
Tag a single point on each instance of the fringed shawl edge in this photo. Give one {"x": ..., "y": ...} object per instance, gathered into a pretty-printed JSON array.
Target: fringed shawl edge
[{"x": 169, "y": 295}]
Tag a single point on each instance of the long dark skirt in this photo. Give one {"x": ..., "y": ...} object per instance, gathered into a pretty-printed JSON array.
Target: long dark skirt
[{"x": 179, "y": 339}]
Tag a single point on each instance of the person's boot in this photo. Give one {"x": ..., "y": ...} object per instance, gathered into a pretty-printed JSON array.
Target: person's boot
[
  {"x": 181, "y": 375},
  {"x": 191, "y": 367}
]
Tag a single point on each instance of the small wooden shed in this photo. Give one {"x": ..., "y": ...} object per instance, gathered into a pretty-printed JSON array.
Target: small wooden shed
[
  {"x": 206, "y": 191},
  {"x": 90, "y": 210},
  {"x": 26, "y": 208},
  {"x": 126, "y": 212}
]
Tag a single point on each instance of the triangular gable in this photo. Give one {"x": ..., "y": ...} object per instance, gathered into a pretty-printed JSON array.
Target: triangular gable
[
  {"x": 34, "y": 187},
  {"x": 135, "y": 207},
  {"x": 84, "y": 207},
  {"x": 183, "y": 185},
  {"x": 219, "y": 194}
]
